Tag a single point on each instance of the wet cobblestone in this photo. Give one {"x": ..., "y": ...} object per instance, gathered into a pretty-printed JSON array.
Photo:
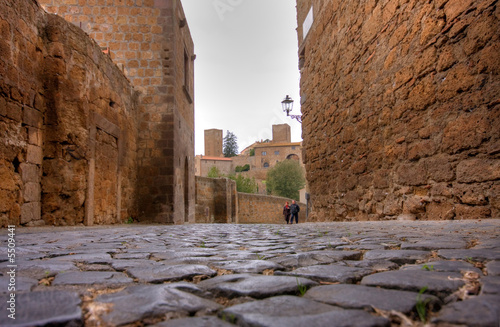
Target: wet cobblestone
[{"x": 391, "y": 273}]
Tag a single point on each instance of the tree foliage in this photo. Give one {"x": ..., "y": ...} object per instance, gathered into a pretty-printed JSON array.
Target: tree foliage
[
  {"x": 214, "y": 172},
  {"x": 239, "y": 169},
  {"x": 244, "y": 184},
  {"x": 230, "y": 146},
  {"x": 285, "y": 179}
]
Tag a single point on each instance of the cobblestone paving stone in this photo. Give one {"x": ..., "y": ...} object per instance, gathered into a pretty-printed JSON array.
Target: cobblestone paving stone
[{"x": 390, "y": 273}]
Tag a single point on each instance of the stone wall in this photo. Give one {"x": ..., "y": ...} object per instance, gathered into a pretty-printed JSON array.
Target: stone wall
[
  {"x": 205, "y": 163},
  {"x": 264, "y": 209},
  {"x": 216, "y": 200},
  {"x": 401, "y": 110},
  {"x": 150, "y": 40},
  {"x": 67, "y": 124}
]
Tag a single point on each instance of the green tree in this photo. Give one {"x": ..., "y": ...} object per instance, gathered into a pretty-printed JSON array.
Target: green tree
[
  {"x": 252, "y": 152},
  {"x": 239, "y": 169},
  {"x": 214, "y": 172},
  {"x": 230, "y": 146},
  {"x": 244, "y": 184},
  {"x": 285, "y": 179}
]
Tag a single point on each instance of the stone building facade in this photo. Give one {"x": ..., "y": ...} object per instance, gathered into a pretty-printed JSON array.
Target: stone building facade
[
  {"x": 82, "y": 139},
  {"x": 400, "y": 108},
  {"x": 151, "y": 41},
  {"x": 265, "y": 155},
  {"x": 203, "y": 164}
]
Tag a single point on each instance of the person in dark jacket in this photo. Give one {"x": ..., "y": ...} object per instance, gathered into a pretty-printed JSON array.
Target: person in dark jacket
[
  {"x": 294, "y": 211},
  {"x": 286, "y": 212}
]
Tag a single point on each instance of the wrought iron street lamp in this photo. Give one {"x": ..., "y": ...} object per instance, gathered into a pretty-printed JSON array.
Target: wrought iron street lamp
[{"x": 287, "y": 105}]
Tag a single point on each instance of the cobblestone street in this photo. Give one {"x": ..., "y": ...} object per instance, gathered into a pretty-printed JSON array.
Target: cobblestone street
[{"x": 390, "y": 273}]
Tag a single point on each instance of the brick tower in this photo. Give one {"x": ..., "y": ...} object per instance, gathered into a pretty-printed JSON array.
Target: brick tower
[
  {"x": 281, "y": 133},
  {"x": 213, "y": 143}
]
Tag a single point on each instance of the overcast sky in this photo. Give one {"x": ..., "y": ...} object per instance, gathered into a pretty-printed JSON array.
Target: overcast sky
[{"x": 246, "y": 62}]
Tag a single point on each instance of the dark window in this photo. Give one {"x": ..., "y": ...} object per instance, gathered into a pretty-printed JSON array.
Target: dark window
[
  {"x": 276, "y": 152},
  {"x": 266, "y": 165}
]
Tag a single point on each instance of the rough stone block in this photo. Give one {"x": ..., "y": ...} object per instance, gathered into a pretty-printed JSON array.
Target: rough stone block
[
  {"x": 35, "y": 136},
  {"x": 412, "y": 174},
  {"x": 3, "y": 107},
  {"x": 30, "y": 173},
  {"x": 421, "y": 150},
  {"x": 32, "y": 117},
  {"x": 414, "y": 204},
  {"x": 30, "y": 212},
  {"x": 14, "y": 111},
  {"x": 478, "y": 170},
  {"x": 472, "y": 194},
  {"x": 364, "y": 297},
  {"x": 475, "y": 311},
  {"x": 7, "y": 198},
  {"x": 34, "y": 154},
  {"x": 136, "y": 303},
  {"x": 32, "y": 192},
  {"x": 465, "y": 132},
  {"x": 297, "y": 311},
  {"x": 453, "y": 9},
  {"x": 440, "y": 169},
  {"x": 440, "y": 211},
  {"x": 472, "y": 212}
]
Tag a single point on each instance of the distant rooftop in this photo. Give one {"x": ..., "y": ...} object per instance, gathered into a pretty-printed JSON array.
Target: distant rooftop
[
  {"x": 215, "y": 158},
  {"x": 271, "y": 144}
]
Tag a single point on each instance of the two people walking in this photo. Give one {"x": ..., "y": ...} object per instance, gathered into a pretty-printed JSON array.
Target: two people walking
[{"x": 291, "y": 211}]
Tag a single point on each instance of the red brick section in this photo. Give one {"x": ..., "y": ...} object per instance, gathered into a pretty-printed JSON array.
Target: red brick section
[{"x": 401, "y": 110}]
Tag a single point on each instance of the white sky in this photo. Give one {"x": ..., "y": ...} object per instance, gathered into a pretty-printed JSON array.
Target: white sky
[{"x": 246, "y": 62}]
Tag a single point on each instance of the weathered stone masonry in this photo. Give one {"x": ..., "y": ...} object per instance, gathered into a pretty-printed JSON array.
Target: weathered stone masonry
[
  {"x": 81, "y": 143},
  {"x": 67, "y": 124},
  {"x": 401, "y": 110},
  {"x": 150, "y": 40},
  {"x": 217, "y": 201}
]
